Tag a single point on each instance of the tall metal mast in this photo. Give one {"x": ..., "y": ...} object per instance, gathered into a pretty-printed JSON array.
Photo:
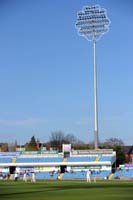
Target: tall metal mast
[{"x": 92, "y": 23}]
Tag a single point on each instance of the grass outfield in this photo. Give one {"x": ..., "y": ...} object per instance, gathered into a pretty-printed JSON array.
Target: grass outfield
[{"x": 66, "y": 190}]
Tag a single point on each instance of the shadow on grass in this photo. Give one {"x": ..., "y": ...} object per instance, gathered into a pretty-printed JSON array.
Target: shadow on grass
[{"x": 36, "y": 189}]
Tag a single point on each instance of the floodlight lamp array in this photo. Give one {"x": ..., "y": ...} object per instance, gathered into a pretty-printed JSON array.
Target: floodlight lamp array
[{"x": 92, "y": 22}]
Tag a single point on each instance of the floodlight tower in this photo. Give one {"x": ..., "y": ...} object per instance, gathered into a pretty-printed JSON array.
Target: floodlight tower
[{"x": 92, "y": 22}]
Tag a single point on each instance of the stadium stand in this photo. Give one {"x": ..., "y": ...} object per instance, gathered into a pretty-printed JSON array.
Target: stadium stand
[
  {"x": 38, "y": 159},
  {"x": 124, "y": 171},
  {"x": 5, "y": 159},
  {"x": 81, "y": 158},
  {"x": 74, "y": 175},
  {"x": 56, "y": 165},
  {"x": 47, "y": 175}
]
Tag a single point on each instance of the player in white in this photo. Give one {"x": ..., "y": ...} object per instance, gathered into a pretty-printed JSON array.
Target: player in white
[
  {"x": 33, "y": 178},
  {"x": 25, "y": 177},
  {"x": 88, "y": 176}
]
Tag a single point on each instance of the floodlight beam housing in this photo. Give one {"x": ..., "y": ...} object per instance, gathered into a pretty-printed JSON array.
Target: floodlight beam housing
[{"x": 92, "y": 20}]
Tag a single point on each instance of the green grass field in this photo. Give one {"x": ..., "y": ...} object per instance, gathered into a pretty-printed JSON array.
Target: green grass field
[{"x": 66, "y": 190}]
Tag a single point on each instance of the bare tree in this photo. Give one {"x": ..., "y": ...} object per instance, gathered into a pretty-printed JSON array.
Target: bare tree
[
  {"x": 113, "y": 142},
  {"x": 58, "y": 138}
]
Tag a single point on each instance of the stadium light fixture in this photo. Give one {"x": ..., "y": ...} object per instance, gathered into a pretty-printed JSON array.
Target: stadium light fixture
[{"x": 92, "y": 22}]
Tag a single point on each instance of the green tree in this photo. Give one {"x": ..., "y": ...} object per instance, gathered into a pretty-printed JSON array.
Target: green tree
[
  {"x": 120, "y": 155},
  {"x": 32, "y": 145},
  {"x": 117, "y": 145}
]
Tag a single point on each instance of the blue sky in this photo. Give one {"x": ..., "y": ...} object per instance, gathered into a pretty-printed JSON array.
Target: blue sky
[{"x": 46, "y": 71}]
